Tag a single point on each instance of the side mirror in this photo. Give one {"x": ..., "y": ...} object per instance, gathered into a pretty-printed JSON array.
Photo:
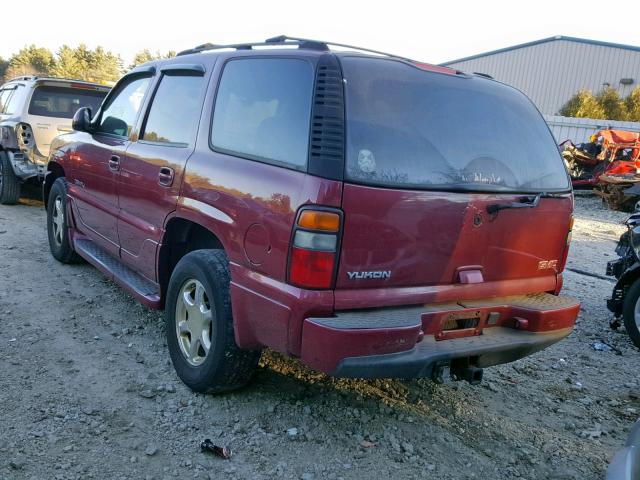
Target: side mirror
[{"x": 82, "y": 120}]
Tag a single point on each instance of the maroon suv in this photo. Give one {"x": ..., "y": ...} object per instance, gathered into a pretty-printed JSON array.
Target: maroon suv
[{"x": 371, "y": 215}]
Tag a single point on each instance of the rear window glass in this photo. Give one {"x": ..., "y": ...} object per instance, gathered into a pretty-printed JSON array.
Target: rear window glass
[
  {"x": 62, "y": 102},
  {"x": 410, "y": 128},
  {"x": 263, "y": 110}
]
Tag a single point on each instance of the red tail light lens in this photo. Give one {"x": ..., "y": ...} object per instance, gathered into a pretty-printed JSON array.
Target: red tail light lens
[
  {"x": 311, "y": 269},
  {"x": 313, "y": 254}
]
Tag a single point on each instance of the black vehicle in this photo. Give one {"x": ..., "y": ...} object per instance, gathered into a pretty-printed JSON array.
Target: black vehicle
[{"x": 625, "y": 300}]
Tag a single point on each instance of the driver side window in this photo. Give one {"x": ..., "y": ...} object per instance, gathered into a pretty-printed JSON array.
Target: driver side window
[{"x": 119, "y": 116}]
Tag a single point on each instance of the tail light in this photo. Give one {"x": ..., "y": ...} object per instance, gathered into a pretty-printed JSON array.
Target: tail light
[
  {"x": 314, "y": 248},
  {"x": 24, "y": 136},
  {"x": 570, "y": 230},
  {"x": 563, "y": 261}
]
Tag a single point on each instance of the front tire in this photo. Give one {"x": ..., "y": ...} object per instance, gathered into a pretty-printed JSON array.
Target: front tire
[
  {"x": 9, "y": 183},
  {"x": 631, "y": 312},
  {"x": 57, "y": 224},
  {"x": 199, "y": 325}
]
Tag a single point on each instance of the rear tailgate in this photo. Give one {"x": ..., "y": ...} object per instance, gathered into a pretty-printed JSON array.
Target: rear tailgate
[
  {"x": 418, "y": 238},
  {"x": 53, "y": 104},
  {"x": 451, "y": 180}
]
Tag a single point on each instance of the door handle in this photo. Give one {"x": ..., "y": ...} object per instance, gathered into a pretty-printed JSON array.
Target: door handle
[
  {"x": 114, "y": 163},
  {"x": 165, "y": 176}
]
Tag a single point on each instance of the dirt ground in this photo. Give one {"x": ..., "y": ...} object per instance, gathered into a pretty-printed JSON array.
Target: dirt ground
[{"x": 87, "y": 390}]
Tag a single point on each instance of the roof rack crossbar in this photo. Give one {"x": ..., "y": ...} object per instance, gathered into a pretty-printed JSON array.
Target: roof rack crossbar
[{"x": 288, "y": 41}]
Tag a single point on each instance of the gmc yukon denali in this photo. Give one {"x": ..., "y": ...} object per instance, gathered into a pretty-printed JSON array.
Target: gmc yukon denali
[{"x": 371, "y": 215}]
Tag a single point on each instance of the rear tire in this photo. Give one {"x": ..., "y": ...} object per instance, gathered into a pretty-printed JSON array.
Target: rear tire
[
  {"x": 58, "y": 225},
  {"x": 9, "y": 183},
  {"x": 631, "y": 312},
  {"x": 199, "y": 325}
]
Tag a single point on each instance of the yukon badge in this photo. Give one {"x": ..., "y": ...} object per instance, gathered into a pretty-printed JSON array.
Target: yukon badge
[{"x": 369, "y": 275}]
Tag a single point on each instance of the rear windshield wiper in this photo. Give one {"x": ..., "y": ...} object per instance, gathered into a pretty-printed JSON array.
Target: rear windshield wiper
[{"x": 529, "y": 201}]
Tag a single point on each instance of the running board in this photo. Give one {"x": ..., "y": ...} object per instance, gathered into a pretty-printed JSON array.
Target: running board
[{"x": 141, "y": 288}]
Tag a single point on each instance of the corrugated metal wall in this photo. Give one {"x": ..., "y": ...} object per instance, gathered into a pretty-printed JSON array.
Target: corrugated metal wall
[
  {"x": 551, "y": 72},
  {"x": 579, "y": 130}
]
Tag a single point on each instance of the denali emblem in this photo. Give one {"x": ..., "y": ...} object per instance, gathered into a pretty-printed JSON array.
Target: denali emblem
[{"x": 367, "y": 275}]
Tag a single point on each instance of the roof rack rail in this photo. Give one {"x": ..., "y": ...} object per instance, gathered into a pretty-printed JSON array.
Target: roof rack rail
[
  {"x": 313, "y": 45},
  {"x": 485, "y": 75},
  {"x": 288, "y": 41},
  {"x": 47, "y": 78},
  {"x": 22, "y": 77}
]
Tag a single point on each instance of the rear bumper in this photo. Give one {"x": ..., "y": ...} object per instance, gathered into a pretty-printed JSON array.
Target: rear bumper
[
  {"x": 24, "y": 167},
  {"x": 414, "y": 341},
  {"x": 493, "y": 347}
]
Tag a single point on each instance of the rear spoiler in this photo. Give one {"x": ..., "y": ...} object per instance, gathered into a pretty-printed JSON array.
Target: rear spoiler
[{"x": 78, "y": 85}]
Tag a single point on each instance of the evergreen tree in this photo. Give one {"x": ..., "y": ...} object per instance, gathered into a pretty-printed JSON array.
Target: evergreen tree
[
  {"x": 633, "y": 105},
  {"x": 31, "y": 60},
  {"x": 144, "y": 56},
  {"x": 583, "y": 105},
  {"x": 612, "y": 104}
]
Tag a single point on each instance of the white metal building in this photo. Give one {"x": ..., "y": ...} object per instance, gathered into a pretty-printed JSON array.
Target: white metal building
[{"x": 551, "y": 70}]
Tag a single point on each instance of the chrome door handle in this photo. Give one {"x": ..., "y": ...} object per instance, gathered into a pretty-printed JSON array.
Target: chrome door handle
[
  {"x": 114, "y": 163},
  {"x": 165, "y": 177}
]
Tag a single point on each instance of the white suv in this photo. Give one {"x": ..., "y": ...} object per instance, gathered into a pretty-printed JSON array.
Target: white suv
[{"x": 33, "y": 111}]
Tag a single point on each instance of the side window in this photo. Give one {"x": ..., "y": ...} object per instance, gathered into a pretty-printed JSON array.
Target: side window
[
  {"x": 175, "y": 111},
  {"x": 4, "y": 94},
  {"x": 12, "y": 102},
  {"x": 119, "y": 116},
  {"x": 263, "y": 110}
]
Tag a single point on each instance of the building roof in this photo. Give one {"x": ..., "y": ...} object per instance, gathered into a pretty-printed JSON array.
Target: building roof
[{"x": 546, "y": 40}]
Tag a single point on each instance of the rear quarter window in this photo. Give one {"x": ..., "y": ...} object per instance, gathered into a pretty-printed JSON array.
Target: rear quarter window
[
  {"x": 14, "y": 99},
  {"x": 4, "y": 95},
  {"x": 263, "y": 110}
]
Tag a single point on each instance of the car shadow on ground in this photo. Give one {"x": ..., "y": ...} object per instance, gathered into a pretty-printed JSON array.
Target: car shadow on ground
[{"x": 31, "y": 195}]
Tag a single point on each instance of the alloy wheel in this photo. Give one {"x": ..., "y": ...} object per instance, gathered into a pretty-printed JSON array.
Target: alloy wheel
[
  {"x": 194, "y": 322},
  {"x": 57, "y": 217}
]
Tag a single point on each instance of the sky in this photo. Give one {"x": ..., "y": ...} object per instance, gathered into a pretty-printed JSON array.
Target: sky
[{"x": 428, "y": 31}]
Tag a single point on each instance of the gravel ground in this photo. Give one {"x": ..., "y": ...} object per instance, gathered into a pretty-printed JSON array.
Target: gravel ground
[{"x": 87, "y": 390}]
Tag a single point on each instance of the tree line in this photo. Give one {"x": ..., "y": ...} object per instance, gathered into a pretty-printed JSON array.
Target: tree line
[
  {"x": 605, "y": 105},
  {"x": 82, "y": 63}
]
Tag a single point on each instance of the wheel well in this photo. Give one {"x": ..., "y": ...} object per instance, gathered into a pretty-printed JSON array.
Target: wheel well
[
  {"x": 181, "y": 237},
  {"x": 54, "y": 170}
]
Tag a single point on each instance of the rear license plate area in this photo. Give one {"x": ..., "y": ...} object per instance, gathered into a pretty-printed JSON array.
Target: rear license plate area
[{"x": 465, "y": 323}]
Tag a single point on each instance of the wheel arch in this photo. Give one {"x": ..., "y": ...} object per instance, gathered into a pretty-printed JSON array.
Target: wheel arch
[
  {"x": 181, "y": 236},
  {"x": 54, "y": 171}
]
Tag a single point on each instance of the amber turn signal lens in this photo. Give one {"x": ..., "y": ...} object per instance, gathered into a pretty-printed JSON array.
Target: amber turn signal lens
[{"x": 317, "y": 220}]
